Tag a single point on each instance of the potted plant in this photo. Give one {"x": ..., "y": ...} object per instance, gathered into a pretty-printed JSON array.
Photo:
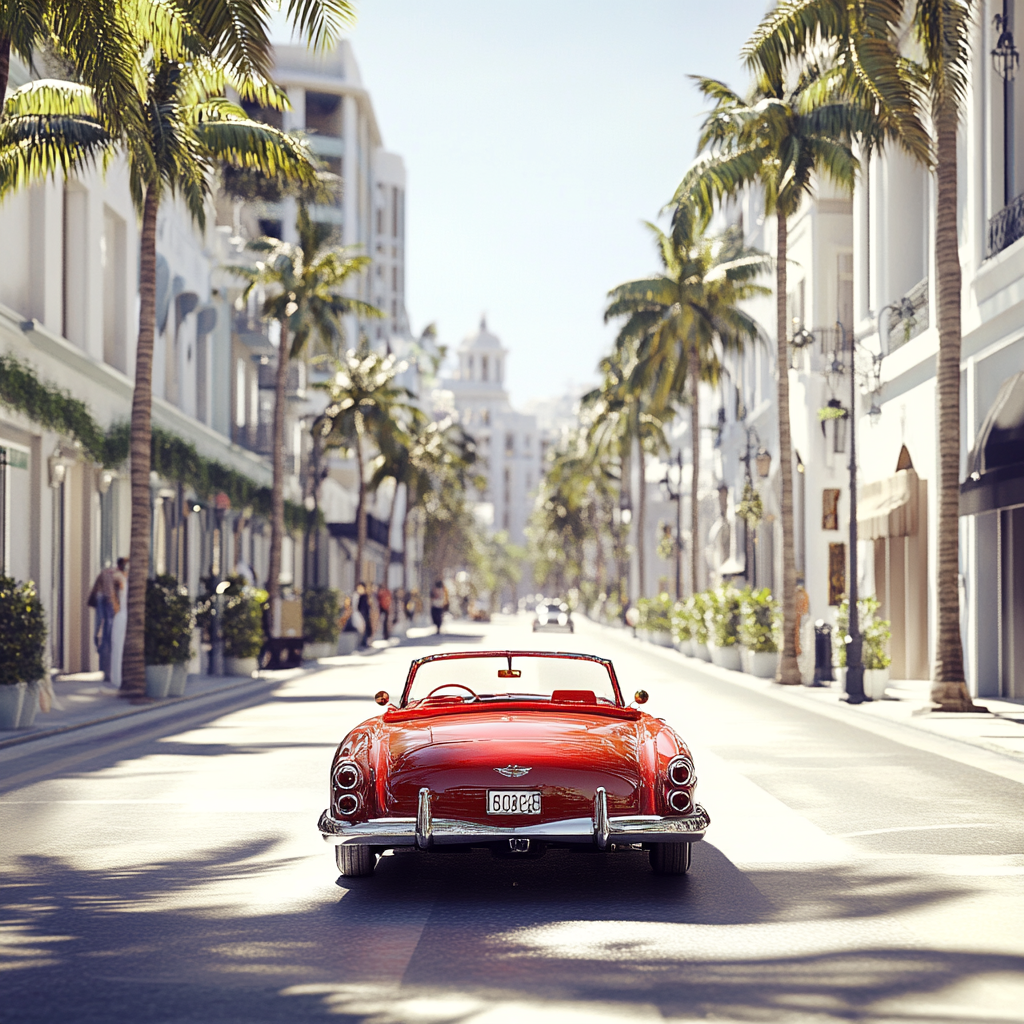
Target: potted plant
[
  {"x": 242, "y": 628},
  {"x": 168, "y": 637},
  {"x": 655, "y": 619},
  {"x": 320, "y": 622},
  {"x": 723, "y": 619},
  {"x": 682, "y": 627},
  {"x": 876, "y": 634},
  {"x": 22, "y": 642},
  {"x": 697, "y": 607},
  {"x": 760, "y": 622}
]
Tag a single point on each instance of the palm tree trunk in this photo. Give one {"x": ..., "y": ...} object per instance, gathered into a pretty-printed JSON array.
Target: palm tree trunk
[
  {"x": 5, "y": 65},
  {"x": 133, "y": 665},
  {"x": 694, "y": 372},
  {"x": 361, "y": 507},
  {"x": 789, "y": 670},
  {"x": 277, "y": 488},
  {"x": 391, "y": 520},
  {"x": 949, "y": 690},
  {"x": 405, "y": 537},
  {"x": 641, "y": 519}
]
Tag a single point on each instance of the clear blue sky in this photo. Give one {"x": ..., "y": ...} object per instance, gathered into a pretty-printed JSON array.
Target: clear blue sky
[{"x": 537, "y": 136}]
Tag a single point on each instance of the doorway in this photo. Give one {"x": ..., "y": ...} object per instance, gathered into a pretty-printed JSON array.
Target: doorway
[{"x": 1011, "y": 602}]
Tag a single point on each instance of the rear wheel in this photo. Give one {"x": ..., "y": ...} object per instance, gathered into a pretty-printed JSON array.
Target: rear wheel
[
  {"x": 668, "y": 858},
  {"x": 354, "y": 861}
]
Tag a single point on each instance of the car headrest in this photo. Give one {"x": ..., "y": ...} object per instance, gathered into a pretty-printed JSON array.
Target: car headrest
[{"x": 573, "y": 697}]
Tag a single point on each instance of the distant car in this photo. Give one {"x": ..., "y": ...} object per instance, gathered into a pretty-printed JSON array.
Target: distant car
[
  {"x": 552, "y": 613},
  {"x": 517, "y": 752}
]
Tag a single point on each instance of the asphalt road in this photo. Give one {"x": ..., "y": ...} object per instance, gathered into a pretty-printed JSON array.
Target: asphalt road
[{"x": 169, "y": 871}]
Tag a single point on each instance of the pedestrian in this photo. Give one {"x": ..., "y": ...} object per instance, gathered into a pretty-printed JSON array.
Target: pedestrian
[
  {"x": 438, "y": 603},
  {"x": 120, "y": 627},
  {"x": 104, "y": 598},
  {"x": 384, "y": 603},
  {"x": 363, "y": 607}
]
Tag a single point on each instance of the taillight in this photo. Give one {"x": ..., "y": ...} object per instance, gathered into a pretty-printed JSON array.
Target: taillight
[
  {"x": 680, "y": 801},
  {"x": 681, "y": 771},
  {"x": 347, "y": 775},
  {"x": 347, "y": 804}
]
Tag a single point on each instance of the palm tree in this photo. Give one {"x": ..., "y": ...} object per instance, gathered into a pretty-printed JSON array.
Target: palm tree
[
  {"x": 303, "y": 284},
  {"x": 908, "y": 97},
  {"x": 681, "y": 320},
  {"x": 187, "y": 128},
  {"x": 788, "y": 131},
  {"x": 364, "y": 400},
  {"x": 628, "y": 414}
]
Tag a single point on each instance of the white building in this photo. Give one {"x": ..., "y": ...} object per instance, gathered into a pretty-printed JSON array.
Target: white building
[{"x": 508, "y": 440}]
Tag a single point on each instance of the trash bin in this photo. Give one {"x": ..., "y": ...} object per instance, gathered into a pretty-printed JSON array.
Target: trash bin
[{"x": 822, "y": 654}]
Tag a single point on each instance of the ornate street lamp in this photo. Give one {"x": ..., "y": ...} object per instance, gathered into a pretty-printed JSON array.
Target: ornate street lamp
[
  {"x": 1005, "y": 58},
  {"x": 676, "y": 495},
  {"x": 1005, "y": 61}
]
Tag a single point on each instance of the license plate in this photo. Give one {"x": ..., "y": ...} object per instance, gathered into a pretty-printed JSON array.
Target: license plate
[{"x": 513, "y": 801}]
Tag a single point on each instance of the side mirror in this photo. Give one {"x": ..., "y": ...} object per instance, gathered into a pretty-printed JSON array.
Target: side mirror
[
  {"x": 382, "y": 697},
  {"x": 641, "y": 696}
]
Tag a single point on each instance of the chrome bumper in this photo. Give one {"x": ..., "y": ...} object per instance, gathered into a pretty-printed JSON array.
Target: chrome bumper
[{"x": 600, "y": 830}]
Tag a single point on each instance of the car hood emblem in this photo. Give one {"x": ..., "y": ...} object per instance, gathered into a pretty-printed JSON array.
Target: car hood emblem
[{"x": 512, "y": 771}]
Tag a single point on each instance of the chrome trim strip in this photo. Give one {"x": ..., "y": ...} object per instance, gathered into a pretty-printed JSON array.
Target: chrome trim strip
[
  {"x": 602, "y": 829},
  {"x": 391, "y": 832},
  {"x": 424, "y": 823}
]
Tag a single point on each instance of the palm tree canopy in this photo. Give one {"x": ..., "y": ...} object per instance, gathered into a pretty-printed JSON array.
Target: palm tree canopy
[{"x": 304, "y": 282}]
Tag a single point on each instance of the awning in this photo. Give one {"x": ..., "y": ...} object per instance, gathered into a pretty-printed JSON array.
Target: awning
[
  {"x": 889, "y": 507},
  {"x": 995, "y": 466}
]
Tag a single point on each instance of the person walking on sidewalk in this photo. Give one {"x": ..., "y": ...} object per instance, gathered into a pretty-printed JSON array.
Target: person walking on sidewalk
[
  {"x": 120, "y": 626},
  {"x": 363, "y": 607},
  {"x": 105, "y": 598},
  {"x": 438, "y": 603},
  {"x": 384, "y": 603}
]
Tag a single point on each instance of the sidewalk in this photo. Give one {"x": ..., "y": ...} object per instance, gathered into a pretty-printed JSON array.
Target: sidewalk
[
  {"x": 85, "y": 699},
  {"x": 907, "y": 703}
]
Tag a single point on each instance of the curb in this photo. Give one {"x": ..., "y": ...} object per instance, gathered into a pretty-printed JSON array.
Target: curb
[
  {"x": 131, "y": 712},
  {"x": 978, "y": 755}
]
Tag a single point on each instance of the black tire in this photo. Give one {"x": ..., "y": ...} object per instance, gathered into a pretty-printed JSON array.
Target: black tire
[
  {"x": 355, "y": 861},
  {"x": 668, "y": 858}
]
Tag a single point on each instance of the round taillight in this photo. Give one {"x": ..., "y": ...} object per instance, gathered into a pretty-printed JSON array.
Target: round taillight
[
  {"x": 680, "y": 801},
  {"x": 347, "y": 775},
  {"x": 347, "y": 804},
  {"x": 680, "y": 771}
]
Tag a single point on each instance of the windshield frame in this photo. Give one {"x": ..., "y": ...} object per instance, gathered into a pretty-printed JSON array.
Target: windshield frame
[{"x": 455, "y": 655}]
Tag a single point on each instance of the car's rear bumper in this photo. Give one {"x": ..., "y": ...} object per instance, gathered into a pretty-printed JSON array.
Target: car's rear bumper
[{"x": 425, "y": 831}]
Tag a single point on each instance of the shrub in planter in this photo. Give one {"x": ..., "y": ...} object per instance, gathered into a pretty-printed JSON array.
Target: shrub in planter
[
  {"x": 169, "y": 622},
  {"x": 655, "y": 614},
  {"x": 696, "y": 609},
  {"x": 22, "y": 632},
  {"x": 723, "y": 615},
  {"x": 760, "y": 622},
  {"x": 242, "y": 621},
  {"x": 875, "y": 631},
  {"x": 682, "y": 622},
  {"x": 320, "y": 607}
]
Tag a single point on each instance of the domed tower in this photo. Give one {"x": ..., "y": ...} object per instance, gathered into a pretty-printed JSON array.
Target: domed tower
[{"x": 482, "y": 358}]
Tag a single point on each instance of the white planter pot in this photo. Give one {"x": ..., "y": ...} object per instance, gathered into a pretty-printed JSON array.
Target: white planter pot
[
  {"x": 875, "y": 682},
  {"x": 158, "y": 681},
  {"x": 700, "y": 650},
  {"x": 726, "y": 657},
  {"x": 313, "y": 652},
  {"x": 348, "y": 641},
  {"x": 644, "y": 635},
  {"x": 661, "y": 638},
  {"x": 744, "y": 660},
  {"x": 179, "y": 677},
  {"x": 684, "y": 647},
  {"x": 762, "y": 664},
  {"x": 242, "y": 667},
  {"x": 29, "y": 706},
  {"x": 12, "y": 696},
  {"x": 840, "y": 674}
]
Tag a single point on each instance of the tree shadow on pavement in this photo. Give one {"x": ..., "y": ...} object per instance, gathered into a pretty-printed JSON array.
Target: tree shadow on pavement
[{"x": 443, "y": 939}]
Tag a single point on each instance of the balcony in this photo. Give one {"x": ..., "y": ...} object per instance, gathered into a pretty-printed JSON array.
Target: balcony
[
  {"x": 908, "y": 316},
  {"x": 1006, "y": 227}
]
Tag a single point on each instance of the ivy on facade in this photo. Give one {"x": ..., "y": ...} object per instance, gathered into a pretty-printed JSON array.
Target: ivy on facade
[{"x": 172, "y": 457}]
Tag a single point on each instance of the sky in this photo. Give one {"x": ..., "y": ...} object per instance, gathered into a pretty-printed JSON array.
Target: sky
[{"x": 537, "y": 137}]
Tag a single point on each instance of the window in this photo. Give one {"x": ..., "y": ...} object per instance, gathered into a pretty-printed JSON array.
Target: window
[
  {"x": 484, "y": 368},
  {"x": 323, "y": 113},
  {"x": 394, "y": 279},
  {"x": 510, "y": 444},
  {"x": 844, "y": 291},
  {"x": 265, "y": 114},
  {"x": 485, "y": 417},
  {"x": 112, "y": 258},
  {"x": 240, "y": 393},
  {"x": 830, "y": 508},
  {"x": 469, "y": 366}
]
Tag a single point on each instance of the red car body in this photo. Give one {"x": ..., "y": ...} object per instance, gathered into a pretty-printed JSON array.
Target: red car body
[{"x": 424, "y": 774}]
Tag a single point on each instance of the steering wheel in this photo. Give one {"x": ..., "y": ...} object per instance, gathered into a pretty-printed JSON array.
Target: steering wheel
[{"x": 444, "y": 686}]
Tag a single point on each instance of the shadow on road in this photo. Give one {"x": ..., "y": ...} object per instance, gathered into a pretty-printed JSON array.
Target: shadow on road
[{"x": 442, "y": 939}]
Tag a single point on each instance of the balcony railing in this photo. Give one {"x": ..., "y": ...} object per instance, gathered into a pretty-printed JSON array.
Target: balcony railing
[{"x": 1006, "y": 226}]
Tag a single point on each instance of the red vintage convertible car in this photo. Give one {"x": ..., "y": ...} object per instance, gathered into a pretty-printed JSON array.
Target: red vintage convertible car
[{"x": 519, "y": 751}]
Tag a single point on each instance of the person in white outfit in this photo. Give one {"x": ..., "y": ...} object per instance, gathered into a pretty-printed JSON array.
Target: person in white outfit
[{"x": 120, "y": 622}]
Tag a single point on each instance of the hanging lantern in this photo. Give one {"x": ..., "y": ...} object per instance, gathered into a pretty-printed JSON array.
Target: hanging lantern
[
  {"x": 764, "y": 462},
  {"x": 1005, "y": 58}
]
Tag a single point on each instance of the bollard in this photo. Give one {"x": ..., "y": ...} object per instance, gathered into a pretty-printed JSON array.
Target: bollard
[{"x": 822, "y": 654}]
